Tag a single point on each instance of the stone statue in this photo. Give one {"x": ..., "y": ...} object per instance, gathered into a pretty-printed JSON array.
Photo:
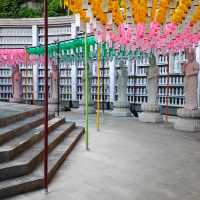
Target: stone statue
[
  {"x": 122, "y": 77},
  {"x": 17, "y": 85},
  {"x": 190, "y": 71},
  {"x": 189, "y": 116},
  {"x": 151, "y": 111},
  {"x": 89, "y": 84},
  {"x": 54, "y": 83},
  {"x": 152, "y": 78},
  {"x": 121, "y": 106}
]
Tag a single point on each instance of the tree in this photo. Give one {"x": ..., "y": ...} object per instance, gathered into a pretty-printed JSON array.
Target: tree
[
  {"x": 55, "y": 8},
  {"x": 21, "y": 8},
  {"x": 8, "y": 8},
  {"x": 29, "y": 12}
]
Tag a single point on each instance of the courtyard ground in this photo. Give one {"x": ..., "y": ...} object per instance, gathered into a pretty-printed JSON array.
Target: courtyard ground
[{"x": 128, "y": 160}]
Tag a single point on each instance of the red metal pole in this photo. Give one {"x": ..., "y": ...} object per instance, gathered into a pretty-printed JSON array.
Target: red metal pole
[{"x": 46, "y": 95}]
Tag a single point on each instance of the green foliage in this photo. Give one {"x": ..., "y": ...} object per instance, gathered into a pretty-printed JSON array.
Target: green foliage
[
  {"x": 29, "y": 12},
  {"x": 55, "y": 8},
  {"x": 19, "y": 8},
  {"x": 8, "y": 8}
]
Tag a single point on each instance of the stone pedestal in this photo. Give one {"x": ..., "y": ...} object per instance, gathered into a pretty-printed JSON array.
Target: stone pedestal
[
  {"x": 16, "y": 100},
  {"x": 151, "y": 113},
  {"x": 188, "y": 120},
  {"x": 91, "y": 109},
  {"x": 121, "y": 110},
  {"x": 121, "y": 106}
]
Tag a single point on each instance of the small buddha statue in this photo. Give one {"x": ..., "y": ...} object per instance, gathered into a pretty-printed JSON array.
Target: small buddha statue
[
  {"x": 54, "y": 83},
  {"x": 152, "y": 78},
  {"x": 16, "y": 84},
  {"x": 190, "y": 71}
]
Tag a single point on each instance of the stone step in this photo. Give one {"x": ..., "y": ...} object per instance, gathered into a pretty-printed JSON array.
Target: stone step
[
  {"x": 14, "y": 147},
  {"x": 9, "y": 132},
  {"x": 28, "y": 160},
  {"x": 13, "y": 116},
  {"x": 34, "y": 180}
]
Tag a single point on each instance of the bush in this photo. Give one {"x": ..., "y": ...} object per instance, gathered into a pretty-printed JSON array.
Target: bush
[
  {"x": 8, "y": 8},
  {"x": 29, "y": 12},
  {"x": 16, "y": 8},
  {"x": 55, "y": 8}
]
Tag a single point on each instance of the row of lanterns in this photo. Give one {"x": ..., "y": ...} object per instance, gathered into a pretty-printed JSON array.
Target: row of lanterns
[
  {"x": 118, "y": 13},
  {"x": 181, "y": 11},
  {"x": 139, "y": 11},
  {"x": 162, "y": 11},
  {"x": 98, "y": 12},
  {"x": 196, "y": 16},
  {"x": 75, "y": 6}
]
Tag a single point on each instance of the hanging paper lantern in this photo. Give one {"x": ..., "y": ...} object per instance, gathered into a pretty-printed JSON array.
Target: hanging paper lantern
[
  {"x": 12, "y": 56},
  {"x": 196, "y": 15}
]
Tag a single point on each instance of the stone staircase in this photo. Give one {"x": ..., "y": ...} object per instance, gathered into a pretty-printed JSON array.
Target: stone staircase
[{"x": 22, "y": 149}]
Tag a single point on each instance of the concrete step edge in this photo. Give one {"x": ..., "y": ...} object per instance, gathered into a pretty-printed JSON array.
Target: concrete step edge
[
  {"x": 19, "y": 116},
  {"x": 21, "y": 128},
  {"x": 7, "y": 154},
  {"x": 22, "y": 166},
  {"x": 34, "y": 180}
]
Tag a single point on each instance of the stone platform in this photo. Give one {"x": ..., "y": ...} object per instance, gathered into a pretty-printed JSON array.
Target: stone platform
[
  {"x": 22, "y": 146},
  {"x": 151, "y": 113},
  {"x": 187, "y": 120},
  {"x": 81, "y": 109},
  {"x": 9, "y": 112}
]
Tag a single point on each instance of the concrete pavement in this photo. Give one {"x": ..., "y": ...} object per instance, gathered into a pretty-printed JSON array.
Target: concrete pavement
[{"x": 128, "y": 160}]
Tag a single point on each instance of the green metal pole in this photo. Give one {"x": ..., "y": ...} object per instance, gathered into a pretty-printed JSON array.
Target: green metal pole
[{"x": 86, "y": 94}]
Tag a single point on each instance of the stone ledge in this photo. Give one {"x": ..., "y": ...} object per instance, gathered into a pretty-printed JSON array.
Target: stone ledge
[
  {"x": 16, "y": 100},
  {"x": 150, "y": 107},
  {"x": 186, "y": 113},
  {"x": 151, "y": 117},
  {"x": 53, "y": 107},
  {"x": 121, "y": 112},
  {"x": 53, "y": 100},
  {"x": 81, "y": 109},
  {"x": 121, "y": 105},
  {"x": 187, "y": 124}
]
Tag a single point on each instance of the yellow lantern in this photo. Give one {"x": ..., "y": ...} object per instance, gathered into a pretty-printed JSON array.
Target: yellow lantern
[
  {"x": 183, "y": 7},
  {"x": 164, "y": 3}
]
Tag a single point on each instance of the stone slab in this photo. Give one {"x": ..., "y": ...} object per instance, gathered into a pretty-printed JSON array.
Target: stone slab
[
  {"x": 118, "y": 104},
  {"x": 186, "y": 113},
  {"x": 12, "y": 109},
  {"x": 150, "y": 107},
  {"x": 81, "y": 109},
  {"x": 187, "y": 124},
  {"x": 121, "y": 112},
  {"x": 152, "y": 117},
  {"x": 16, "y": 100},
  {"x": 54, "y": 107},
  {"x": 12, "y": 112}
]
